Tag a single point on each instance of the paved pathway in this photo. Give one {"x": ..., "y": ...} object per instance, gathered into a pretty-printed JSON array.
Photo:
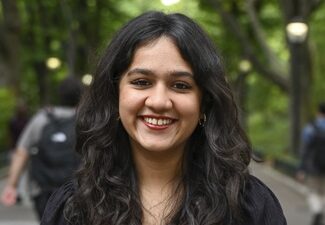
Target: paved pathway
[
  {"x": 17, "y": 215},
  {"x": 290, "y": 193}
]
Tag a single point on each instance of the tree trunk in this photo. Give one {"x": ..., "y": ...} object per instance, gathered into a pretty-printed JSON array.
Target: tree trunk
[
  {"x": 11, "y": 44},
  {"x": 71, "y": 45},
  {"x": 240, "y": 87},
  {"x": 42, "y": 80},
  {"x": 295, "y": 95}
]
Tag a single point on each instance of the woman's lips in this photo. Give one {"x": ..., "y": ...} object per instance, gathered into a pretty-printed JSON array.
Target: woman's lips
[{"x": 157, "y": 122}]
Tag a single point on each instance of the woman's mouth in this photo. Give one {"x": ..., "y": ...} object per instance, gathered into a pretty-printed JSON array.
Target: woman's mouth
[{"x": 157, "y": 122}]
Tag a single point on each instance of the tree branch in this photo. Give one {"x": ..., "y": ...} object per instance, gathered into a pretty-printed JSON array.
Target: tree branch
[
  {"x": 260, "y": 37},
  {"x": 11, "y": 42},
  {"x": 234, "y": 27}
]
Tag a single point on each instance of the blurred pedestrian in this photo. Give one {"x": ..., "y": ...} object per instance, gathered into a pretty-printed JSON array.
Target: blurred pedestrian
[
  {"x": 15, "y": 127},
  {"x": 17, "y": 123},
  {"x": 47, "y": 143},
  {"x": 159, "y": 137},
  {"x": 312, "y": 168}
]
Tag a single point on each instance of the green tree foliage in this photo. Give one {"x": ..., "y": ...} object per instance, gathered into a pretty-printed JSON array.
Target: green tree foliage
[{"x": 6, "y": 109}]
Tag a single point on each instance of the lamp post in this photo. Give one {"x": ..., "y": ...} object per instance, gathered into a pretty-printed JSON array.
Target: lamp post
[
  {"x": 297, "y": 34},
  {"x": 53, "y": 63},
  {"x": 169, "y": 2},
  {"x": 87, "y": 79}
]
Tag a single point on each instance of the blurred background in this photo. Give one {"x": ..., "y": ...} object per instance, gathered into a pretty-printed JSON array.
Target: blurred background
[{"x": 273, "y": 51}]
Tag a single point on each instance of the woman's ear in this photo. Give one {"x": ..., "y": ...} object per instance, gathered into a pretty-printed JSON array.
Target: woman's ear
[{"x": 202, "y": 120}]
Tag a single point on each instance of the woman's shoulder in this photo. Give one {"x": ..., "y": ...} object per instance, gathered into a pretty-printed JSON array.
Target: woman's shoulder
[
  {"x": 260, "y": 204},
  {"x": 53, "y": 214},
  {"x": 257, "y": 189}
]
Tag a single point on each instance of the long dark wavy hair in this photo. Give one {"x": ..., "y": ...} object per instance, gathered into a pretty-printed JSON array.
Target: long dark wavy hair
[{"x": 215, "y": 164}]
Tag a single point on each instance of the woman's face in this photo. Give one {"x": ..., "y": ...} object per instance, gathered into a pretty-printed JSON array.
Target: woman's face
[{"x": 159, "y": 101}]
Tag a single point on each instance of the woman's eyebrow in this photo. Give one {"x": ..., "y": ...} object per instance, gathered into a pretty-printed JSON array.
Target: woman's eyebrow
[
  {"x": 180, "y": 73},
  {"x": 140, "y": 71},
  {"x": 176, "y": 73}
]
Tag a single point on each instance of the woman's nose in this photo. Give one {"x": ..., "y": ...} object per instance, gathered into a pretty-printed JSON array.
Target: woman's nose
[{"x": 159, "y": 99}]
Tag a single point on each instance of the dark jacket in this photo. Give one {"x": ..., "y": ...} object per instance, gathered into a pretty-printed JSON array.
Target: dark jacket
[{"x": 260, "y": 206}]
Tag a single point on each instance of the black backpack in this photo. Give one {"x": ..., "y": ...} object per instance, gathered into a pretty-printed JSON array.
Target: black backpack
[
  {"x": 53, "y": 159},
  {"x": 317, "y": 146}
]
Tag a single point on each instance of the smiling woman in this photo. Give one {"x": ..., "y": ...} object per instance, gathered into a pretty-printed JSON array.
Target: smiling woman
[
  {"x": 159, "y": 137},
  {"x": 159, "y": 99}
]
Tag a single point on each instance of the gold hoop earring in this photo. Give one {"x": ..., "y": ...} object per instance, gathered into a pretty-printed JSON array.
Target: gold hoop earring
[{"x": 202, "y": 120}]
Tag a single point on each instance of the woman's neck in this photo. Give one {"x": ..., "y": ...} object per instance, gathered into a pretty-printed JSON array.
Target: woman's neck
[
  {"x": 159, "y": 176},
  {"x": 157, "y": 169}
]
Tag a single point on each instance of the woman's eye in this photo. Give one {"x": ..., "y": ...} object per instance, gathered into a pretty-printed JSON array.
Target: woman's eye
[
  {"x": 140, "y": 82},
  {"x": 182, "y": 86}
]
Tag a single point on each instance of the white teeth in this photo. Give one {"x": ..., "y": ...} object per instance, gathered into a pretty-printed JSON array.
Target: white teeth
[{"x": 158, "y": 122}]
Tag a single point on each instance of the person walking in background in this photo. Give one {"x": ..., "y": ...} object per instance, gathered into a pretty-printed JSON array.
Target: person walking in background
[
  {"x": 47, "y": 143},
  {"x": 312, "y": 168},
  {"x": 159, "y": 137},
  {"x": 17, "y": 123},
  {"x": 15, "y": 127}
]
